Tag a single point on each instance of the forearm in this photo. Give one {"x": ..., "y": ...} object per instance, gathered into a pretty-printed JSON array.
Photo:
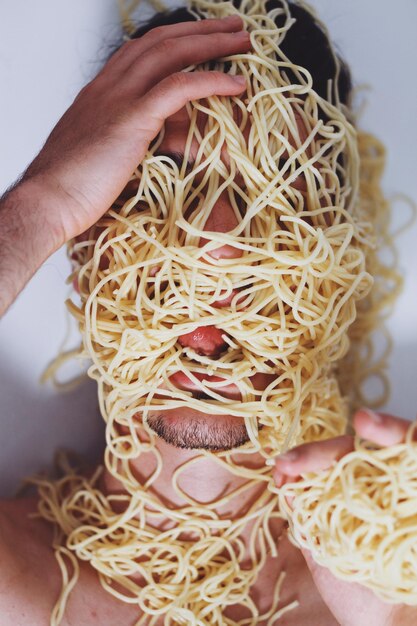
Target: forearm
[{"x": 28, "y": 236}]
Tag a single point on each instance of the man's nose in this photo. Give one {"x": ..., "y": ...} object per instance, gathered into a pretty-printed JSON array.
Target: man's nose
[
  {"x": 208, "y": 340},
  {"x": 222, "y": 219}
]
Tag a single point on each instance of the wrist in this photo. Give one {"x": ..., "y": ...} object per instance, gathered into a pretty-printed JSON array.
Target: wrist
[
  {"x": 35, "y": 218},
  {"x": 28, "y": 236}
]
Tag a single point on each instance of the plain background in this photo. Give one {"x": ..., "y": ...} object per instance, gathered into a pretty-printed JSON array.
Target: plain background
[{"x": 48, "y": 51}]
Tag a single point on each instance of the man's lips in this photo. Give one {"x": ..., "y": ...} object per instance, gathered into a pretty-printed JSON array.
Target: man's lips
[
  {"x": 218, "y": 384},
  {"x": 227, "y": 301}
]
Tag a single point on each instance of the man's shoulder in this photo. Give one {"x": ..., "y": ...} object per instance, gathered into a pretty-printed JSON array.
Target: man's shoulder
[
  {"x": 30, "y": 578},
  {"x": 26, "y": 595},
  {"x": 20, "y": 527}
]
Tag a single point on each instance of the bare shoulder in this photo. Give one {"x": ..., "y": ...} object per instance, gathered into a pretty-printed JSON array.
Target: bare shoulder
[
  {"x": 20, "y": 531},
  {"x": 30, "y": 578},
  {"x": 19, "y": 517},
  {"x": 25, "y": 596}
]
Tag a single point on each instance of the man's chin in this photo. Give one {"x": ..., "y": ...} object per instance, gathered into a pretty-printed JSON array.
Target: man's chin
[{"x": 191, "y": 429}]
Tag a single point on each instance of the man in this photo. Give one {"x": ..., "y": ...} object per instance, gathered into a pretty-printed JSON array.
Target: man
[{"x": 91, "y": 138}]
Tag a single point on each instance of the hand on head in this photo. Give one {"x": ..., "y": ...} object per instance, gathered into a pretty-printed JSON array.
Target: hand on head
[{"x": 93, "y": 150}]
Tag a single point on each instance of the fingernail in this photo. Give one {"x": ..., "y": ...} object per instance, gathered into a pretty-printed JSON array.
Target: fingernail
[
  {"x": 288, "y": 457},
  {"x": 232, "y": 18},
  {"x": 240, "y": 80},
  {"x": 375, "y": 417},
  {"x": 241, "y": 34}
]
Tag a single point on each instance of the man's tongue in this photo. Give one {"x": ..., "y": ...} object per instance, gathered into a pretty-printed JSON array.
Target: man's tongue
[{"x": 207, "y": 340}]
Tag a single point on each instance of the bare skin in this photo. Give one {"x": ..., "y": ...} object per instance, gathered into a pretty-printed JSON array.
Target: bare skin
[
  {"x": 91, "y": 153},
  {"x": 83, "y": 167}
]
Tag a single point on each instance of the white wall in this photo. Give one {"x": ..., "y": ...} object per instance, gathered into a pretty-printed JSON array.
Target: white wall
[{"x": 48, "y": 50}]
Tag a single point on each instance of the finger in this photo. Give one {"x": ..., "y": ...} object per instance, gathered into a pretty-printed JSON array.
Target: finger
[
  {"x": 172, "y": 93},
  {"x": 174, "y": 54},
  {"x": 381, "y": 428},
  {"x": 134, "y": 48},
  {"x": 312, "y": 457}
]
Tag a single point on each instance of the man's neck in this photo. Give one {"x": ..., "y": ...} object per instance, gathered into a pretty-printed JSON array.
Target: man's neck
[{"x": 192, "y": 477}]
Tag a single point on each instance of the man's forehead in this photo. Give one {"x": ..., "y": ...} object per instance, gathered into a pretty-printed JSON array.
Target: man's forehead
[{"x": 177, "y": 128}]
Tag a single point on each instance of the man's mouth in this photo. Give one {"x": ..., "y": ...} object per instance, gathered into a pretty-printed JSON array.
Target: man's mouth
[
  {"x": 200, "y": 380},
  {"x": 206, "y": 428},
  {"x": 199, "y": 383}
]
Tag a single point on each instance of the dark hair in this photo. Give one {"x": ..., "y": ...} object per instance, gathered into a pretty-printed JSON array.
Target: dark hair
[{"x": 305, "y": 44}]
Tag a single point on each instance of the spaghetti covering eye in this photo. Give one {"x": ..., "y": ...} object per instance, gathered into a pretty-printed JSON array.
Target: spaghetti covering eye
[
  {"x": 359, "y": 518},
  {"x": 288, "y": 303}
]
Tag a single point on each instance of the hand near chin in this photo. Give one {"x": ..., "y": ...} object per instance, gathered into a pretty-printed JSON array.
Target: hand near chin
[{"x": 351, "y": 603}]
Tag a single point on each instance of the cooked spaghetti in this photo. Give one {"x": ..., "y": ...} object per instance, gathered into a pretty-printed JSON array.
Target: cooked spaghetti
[
  {"x": 359, "y": 518},
  {"x": 145, "y": 276}
]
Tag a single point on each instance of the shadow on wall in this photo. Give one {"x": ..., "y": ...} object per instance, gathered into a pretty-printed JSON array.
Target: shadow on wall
[
  {"x": 403, "y": 380},
  {"x": 36, "y": 420}
]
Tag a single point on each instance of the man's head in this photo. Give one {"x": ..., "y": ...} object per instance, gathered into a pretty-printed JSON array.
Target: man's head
[
  {"x": 218, "y": 291},
  {"x": 306, "y": 42}
]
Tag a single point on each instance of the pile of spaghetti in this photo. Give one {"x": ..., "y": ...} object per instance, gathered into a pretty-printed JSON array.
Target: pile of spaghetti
[
  {"x": 145, "y": 278},
  {"x": 359, "y": 518}
]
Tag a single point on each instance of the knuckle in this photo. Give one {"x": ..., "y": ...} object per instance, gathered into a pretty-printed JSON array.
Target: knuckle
[
  {"x": 90, "y": 89},
  {"x": 156, "y": 33},
  {"x": 122, "y": 51},
  {"x": 156, "y": 36},
  {"x": 128, "y": 45},
  {"x": 178, "y": 80},
  {"x": 167, "y": 46}
]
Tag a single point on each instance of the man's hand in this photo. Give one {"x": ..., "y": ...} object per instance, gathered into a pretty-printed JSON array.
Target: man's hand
[
  {"x": 93, "y": 150},
  {"x": 351, "y": 603}
]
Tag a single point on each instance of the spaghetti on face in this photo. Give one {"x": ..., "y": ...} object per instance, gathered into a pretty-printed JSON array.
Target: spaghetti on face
[
  {"x": 225, "y": 285},
  {"x": 216, "y": 298}
]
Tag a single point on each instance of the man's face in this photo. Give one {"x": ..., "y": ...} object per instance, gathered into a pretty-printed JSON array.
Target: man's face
[{"x": 217, "y": 294}]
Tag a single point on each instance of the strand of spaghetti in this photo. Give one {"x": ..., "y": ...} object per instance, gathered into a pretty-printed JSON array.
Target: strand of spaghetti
[{"x": 359, "y": 518}]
